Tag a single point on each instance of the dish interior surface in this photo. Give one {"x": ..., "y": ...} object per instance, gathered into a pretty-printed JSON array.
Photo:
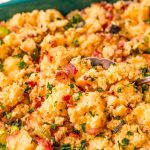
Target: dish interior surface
[{"x": 52, "y": 98}]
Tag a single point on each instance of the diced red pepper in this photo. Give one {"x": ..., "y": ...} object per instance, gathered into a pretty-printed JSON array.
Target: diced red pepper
[
  {"x": 62, "y": 76},
  {"x": 68, "y": 100},
  {"x": 47, "y": 145},
  {"x": 37, "y": 102},
  {"x": 31, "y": 83},
  {"x": 96, "y": 54},
  {"x": 70, "y": 70}
]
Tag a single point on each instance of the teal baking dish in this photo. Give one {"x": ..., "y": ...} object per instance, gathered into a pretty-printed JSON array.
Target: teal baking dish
[{"x": 13, "y": 6}]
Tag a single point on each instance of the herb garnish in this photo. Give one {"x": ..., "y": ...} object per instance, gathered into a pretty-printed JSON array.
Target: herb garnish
[
  {"x": 22, "y": 65},
  {"x": 66, "y": 146},
  {"x": 83, "y": 126},
  {"x": 73, "y": 22},
  {"x": 119, "y": 89},
  {"x": 75, "y": 43},
  {"x": 82, "y": 145},
  {"x": 129, "y": 133},
  {"x": 100, "y": 89}
]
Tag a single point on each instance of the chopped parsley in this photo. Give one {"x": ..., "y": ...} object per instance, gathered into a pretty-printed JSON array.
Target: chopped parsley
[
  {"x": 82, "y": 145},
  {"x": 129, "y": 133},
  {"x": 73, "y": 22},
  {"x": 2, "y": 147},
  {"x": 71, "y": 86},
  {"x": 22, "y": 65},
  {"x": 100, "y": 89},
  {"x": 147, "y": 51},
  {"x": 78, "y": 97},
  {"x": 47, "y": 95},
  {"x": 20, "y": 55},
  {"x": 1, "y": 106},
  {"x": 27, "y": 89},
  {"x": 55, "y": 103},
  {"x": 1, "y": 42},
  {"x": 83, "y": 126},
  {"x": 119, "y": 89},
  {"x": 125, "y": 142},
  {"x": 147, "y": 21},
  {"x": 75, "y": 43},
  {"x": 18, "y": 123},
  {"x": 90, "y": 112},
  {"x": 1, "y": 66},
  {"x": 53, "y": 126},
  {"x": 66, "y": 146},
  {"x": 8, "y": 116},
  {"x": 101, "y": 134},
  {"x": 145, "y": 87},
  {"x": 145, "y": 72},
  {"x": 50, "y": 87},
  {"x": 31, "y": 110},
  {"x": 36, "y": 55}
]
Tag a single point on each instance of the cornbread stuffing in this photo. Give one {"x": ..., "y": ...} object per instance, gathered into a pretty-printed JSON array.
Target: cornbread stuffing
[{"x": 52, "y": 98}]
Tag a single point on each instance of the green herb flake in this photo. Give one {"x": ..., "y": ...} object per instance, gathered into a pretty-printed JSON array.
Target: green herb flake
[
  {"x": 55, "y": 103},
  {"x": 1, "y": 42},
  {"x": 145, "y": 87},
  {"x": 147, "y": 21},
  {"x": 145, "y": 72},
  {"x": 8, "y": 116},
  {"x": 47, "y": 95},
  {"x": 71, "y": 86},
  {"x": 146, "y": 39},
  {"x": 1, "y": 67},
  {"x": 76, "y": 19},
  {"x": 36, "y": 55},
  {"x": 20, "y": 55},
  {"x": 83, "y": 126},
  {"x": 31, "y": 110},
  {"x": 119, "y": 89},
  {"x": 125, "y": 142},
  {"x": 90, "y": 112},
  {"x": 101, "y": 134},
  {"x": 1, "y": 106},
  {"x": 100, "y": 89},
  {"x": 78, "y": 97},
  {"x": 72, "y": 22},
  {"x": 27, "y": 89},
  {"x": 82, "y": 145},
  {"x": 66, "y": 146},
  {"x": 53, "y": 126},
  {"x": 75, "y": 43},
  {"x": 147, "y": 51},
  {"x": 2, "y": 147},
  {"x": 18, "y": 123},
  {"x": 49, "y": 87},
  {"x": 22, "y": 65},
  {"x": 129, "y": 133}
]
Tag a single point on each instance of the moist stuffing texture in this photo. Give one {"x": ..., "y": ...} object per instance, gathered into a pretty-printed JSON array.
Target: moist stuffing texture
[{"x": 52, "y": 98}]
